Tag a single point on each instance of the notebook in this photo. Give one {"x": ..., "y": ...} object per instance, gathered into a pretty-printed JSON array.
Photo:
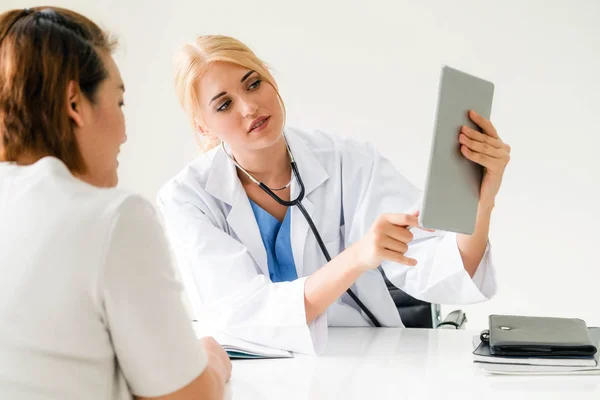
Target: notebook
[
  {"x": 241, "y": 349},
  {"x": 530, "y": 365},
  {"x": 511, "y": 335}
]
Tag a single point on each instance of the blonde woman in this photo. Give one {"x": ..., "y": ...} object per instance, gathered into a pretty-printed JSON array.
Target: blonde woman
[{"x": 279, "y": 232}]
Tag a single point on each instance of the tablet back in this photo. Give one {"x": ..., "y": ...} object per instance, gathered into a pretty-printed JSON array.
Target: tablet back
[{"x": 453, "y": 183}]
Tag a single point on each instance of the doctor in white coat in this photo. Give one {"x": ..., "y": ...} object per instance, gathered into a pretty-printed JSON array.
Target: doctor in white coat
[{"x": 253, "y": 267}]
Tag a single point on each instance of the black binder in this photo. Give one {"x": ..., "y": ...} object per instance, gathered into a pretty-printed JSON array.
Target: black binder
[{"x": 511, "y": 335}]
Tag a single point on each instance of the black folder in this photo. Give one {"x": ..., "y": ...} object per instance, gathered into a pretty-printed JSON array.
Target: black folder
[{"x": 512, "y": 335}]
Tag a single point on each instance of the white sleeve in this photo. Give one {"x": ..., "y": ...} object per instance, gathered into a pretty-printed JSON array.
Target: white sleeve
[
  {"x": 151, "y": 332},
  {"x": 439, "y": 277},
  {"x": 226, "y": 288}
]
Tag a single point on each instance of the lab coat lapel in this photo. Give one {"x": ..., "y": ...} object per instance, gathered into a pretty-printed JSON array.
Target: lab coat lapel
[
  {"x": 224, "y": 184},
  {"x": 313, "y": 175},
  {"x": 299, "y": 229}
]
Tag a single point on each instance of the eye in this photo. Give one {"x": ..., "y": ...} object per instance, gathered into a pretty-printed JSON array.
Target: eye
[
  {"x": 121, "y": 104},
  {"x": 224, "y": 106},
  {"x": 255, "y": 84}
]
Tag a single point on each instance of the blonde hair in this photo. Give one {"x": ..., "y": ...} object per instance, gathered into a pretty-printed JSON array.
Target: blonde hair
[{"x": 194, "y": 59}]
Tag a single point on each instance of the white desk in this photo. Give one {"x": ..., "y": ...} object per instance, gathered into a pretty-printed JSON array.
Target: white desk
[{"x": 389, "y": 363}]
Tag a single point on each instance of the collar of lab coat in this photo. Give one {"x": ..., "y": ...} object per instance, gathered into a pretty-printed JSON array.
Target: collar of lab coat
[{"x": 224, "y": 184}]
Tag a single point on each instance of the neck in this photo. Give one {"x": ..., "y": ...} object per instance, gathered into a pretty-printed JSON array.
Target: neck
[
  {"x": 26, "y": 159},
  {"x": 270, "y": 165}
]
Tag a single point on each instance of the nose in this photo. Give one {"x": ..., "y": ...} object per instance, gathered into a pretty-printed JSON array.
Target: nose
[{"x": 249, "y": 108}]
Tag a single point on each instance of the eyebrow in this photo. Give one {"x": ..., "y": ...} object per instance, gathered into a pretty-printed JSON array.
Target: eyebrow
[
  {"x": 241, "y": 80},
  {"x": 216, "y": 97},
  {"x": 247, "y": 75},
  {"x": 122, "y": 87}
]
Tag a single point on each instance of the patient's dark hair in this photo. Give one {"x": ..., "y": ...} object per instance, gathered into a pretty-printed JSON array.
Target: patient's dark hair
[{"x": 42, "y": 49}]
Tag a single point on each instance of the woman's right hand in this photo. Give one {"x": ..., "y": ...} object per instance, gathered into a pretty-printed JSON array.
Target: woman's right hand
[{"x": 387, "y": 239}]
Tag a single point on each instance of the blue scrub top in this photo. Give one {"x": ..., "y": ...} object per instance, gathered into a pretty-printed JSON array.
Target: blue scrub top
[{"x": 276, "y": 238}]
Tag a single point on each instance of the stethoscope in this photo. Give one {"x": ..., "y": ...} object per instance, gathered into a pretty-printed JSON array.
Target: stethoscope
[{"x": 298, "y": 202}]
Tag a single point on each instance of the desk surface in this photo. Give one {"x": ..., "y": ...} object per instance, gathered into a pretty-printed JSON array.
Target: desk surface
[{"x": 390, "y": 363}]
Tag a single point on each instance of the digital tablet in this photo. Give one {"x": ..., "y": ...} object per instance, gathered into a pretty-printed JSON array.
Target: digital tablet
[{"x": 453, "y": 182}]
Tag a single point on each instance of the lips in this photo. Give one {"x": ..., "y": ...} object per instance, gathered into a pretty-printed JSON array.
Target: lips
[{"x": 258, "y": 123}]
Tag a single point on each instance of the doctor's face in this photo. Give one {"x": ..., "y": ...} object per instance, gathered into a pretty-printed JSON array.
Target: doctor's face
[{"x": 238, "y": 107}]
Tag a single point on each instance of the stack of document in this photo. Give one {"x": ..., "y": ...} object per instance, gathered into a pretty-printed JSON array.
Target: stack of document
[{"x": 536, "y": 365}]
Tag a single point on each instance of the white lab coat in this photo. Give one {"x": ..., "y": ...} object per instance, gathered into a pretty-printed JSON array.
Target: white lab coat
[{"x": 223, "y": 262}]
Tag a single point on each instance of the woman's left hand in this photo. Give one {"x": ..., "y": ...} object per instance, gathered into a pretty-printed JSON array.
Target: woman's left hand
[{"x": 488, "y": 150}]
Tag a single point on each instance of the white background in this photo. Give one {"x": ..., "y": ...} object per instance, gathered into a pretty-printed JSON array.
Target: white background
[{"x": 369, "y": 69}]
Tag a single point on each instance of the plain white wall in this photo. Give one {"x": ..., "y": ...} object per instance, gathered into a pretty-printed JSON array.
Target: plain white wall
[{"x": 370, "y": 70}]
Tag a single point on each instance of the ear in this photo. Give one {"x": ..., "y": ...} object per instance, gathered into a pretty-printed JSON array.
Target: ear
[
  {"x": 199, "y": 128},
  {"x": 74, "y": 103}
]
